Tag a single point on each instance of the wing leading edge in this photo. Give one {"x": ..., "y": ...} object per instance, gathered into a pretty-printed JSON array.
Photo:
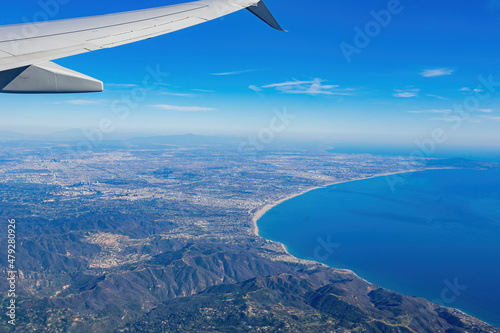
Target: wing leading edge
[{"x": 26, "y": 50}]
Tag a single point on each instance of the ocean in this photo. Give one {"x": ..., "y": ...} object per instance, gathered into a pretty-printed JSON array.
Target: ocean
[{"x": 436, "y": 234}]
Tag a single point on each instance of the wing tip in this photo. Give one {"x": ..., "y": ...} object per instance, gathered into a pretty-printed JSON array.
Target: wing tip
[{"x": 261, "y": 11}]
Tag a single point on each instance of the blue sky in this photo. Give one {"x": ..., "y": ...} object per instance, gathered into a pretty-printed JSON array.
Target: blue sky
[{"x": 421, "y": 70}]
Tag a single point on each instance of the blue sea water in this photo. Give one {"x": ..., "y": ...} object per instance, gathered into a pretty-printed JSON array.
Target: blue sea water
[{"x": 436, "y": 234}]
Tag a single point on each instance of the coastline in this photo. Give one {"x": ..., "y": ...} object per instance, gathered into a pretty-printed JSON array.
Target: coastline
[{"x": 263, "y": 210}]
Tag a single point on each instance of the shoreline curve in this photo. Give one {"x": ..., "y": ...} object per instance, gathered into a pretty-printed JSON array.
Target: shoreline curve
[{"x": 263, "y": 210}]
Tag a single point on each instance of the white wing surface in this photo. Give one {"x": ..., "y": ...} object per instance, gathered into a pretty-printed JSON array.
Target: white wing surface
[{"x": 26, "y": 50}]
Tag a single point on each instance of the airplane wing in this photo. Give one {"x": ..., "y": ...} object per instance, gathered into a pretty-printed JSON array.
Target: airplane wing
[{"x": 26, "y": 50}]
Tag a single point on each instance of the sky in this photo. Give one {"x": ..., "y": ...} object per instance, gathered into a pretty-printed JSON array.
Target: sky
[{"x": 411, "y": 72}]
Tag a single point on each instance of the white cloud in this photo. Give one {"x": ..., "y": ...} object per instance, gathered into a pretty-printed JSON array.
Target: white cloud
[
  {"x": 444, "y": 111},
  {"x": 183, "y": 108},
  {"x": 406, "y": 93},
  {"x": 469, "y": 90},
  {"x": 438, "y": 97},
  {"x": 469, "y": 120},
  {"x": 255, "y": 88},
  {"x": 314, "y": 87},
  {"x": 437, "y": 72},
  {"x": 485, "y": 110},
  {"x": 203, "y": 90},
  {"x": 234, "y": 73}
]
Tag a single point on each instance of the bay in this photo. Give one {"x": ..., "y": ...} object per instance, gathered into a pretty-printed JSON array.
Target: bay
[{"x": 434, "y": 234}]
